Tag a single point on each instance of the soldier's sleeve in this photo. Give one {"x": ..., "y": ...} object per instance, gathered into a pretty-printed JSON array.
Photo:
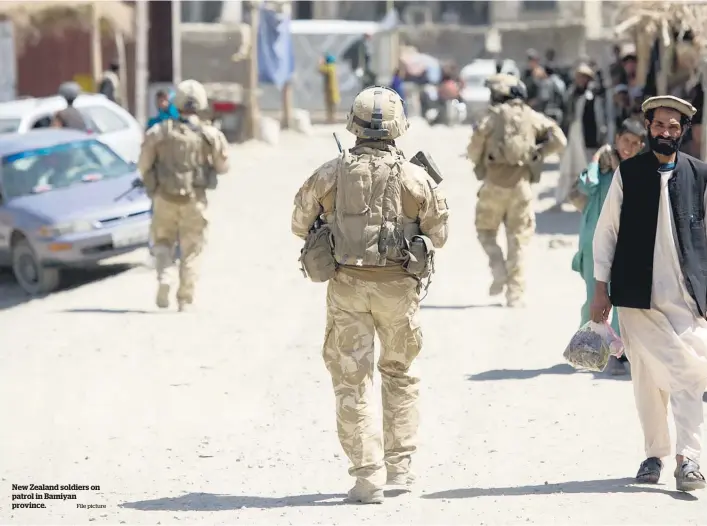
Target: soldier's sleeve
[
  {"x": 477, "y": 144},
  {"x": 308, "y": 199},
  {"x": 219, "y": 152},
  {"x": 557, "y": 141},
  {"x": 146, "y": 161},
  {"x": 434, "y": 214}
]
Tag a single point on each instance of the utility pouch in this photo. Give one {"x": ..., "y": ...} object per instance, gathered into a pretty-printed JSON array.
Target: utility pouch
[
  {"x": 420, "y": 261},
  {"x": 317, "y": 256}
]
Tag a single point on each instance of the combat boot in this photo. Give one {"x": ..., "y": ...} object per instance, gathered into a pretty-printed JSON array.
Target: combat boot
[
  {"x": 366, "y": 493},
  {"x": 515, "y": 301},
  {"x": 404, "y": 480},
  {"x": 162, "y": 299},
  {"x": 186, "y": 306}
]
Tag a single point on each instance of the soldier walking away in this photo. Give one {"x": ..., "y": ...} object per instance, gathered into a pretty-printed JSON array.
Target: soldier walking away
[
  {"x": 110, "y": 83},
  {"x": 507, "y": 150},
  {"x": 385, "y": 217},
  {"x": 179, "y": 161},
  {"x": 70, "y": 117}
]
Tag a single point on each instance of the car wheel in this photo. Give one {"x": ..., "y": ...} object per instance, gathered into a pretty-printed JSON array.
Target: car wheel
[{"x": 34, "y": 279}]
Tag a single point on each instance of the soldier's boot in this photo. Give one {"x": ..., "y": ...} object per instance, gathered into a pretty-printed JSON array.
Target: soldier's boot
[
  {"x": 162, "y": 299},
  {"x": 515, "y": 298},
  {"x": 186, "y": 306},
  {"x": 487, "y": 238},
  {"x": 499, "y": 279},
  {"x": 404, "y": 480},
  {"x": 366, "y": 493}
]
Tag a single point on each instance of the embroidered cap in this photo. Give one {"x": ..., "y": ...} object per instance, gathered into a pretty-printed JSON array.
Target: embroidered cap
[{"x": 668, "y": 101}]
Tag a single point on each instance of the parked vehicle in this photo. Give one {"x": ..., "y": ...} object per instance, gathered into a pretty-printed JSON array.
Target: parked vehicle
[
  {"x": 113, "y": 125},
  {"x": 66, "y": 200},
  {"x": 475, "y": 93}
]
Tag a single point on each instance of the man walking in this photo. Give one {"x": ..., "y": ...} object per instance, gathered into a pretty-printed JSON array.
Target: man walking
[
  {"x": 179, "y": 161},
  {"x": 386, "y": 217},
  {"x": 510, "y": 139},
  {"x": 650, "y": 261}
]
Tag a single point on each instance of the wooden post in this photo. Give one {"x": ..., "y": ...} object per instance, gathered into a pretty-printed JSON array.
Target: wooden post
[
  {"x": 96, "y": 51},
  {"x": 703, "y": 137},
  {"x": 394, "y": 41},
  {"x": 287, "y": 99},
  {"x": 177, "y": 41},
  {"x": 253, "y": 109},
  {"x": 142, "y": 22},
  {"x": 287, "y": 106},
  {"x": 123, "y": 69}
]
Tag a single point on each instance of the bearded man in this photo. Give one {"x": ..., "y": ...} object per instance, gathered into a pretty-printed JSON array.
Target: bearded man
[{"x": 650, "y": 261}]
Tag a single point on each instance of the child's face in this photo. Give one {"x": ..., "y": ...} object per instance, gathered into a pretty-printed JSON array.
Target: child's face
[{"x": 628, "y": 145}]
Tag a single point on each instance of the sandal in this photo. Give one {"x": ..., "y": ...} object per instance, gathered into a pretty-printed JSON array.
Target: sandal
[
  {"x": 688, "y": 476},
  {"x": 649, "y": 472}
]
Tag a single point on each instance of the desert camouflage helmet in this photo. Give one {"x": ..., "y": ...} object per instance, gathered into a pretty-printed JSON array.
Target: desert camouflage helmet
[
  {"x": 377, "y": 112},
  {"x": 500, "y": 84},
  {"x": 191, "y": 95}
]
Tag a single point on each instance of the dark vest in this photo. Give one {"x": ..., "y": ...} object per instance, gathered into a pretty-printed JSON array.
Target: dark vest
[
  {"x": 70, "y": 117},
  {"x": 632, "y": 268}
]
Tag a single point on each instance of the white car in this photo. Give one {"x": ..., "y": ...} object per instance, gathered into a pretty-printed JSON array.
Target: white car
[{"x": 114, "y": 125}]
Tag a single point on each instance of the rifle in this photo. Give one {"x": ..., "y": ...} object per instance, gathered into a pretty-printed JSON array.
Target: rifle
[
  {"x": 137, "y": 183},
  {"x": 422, "y": 159}
]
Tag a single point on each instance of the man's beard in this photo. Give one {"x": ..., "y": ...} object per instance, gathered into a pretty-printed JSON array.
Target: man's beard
[{"x": 664, "y": 146}]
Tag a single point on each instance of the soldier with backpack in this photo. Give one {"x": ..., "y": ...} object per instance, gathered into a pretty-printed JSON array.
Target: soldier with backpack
[
  {"x": 179, "y": 161},
  {"x": 507, "y": 150}
]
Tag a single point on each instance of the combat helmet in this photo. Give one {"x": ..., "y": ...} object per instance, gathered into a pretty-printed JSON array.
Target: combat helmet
[
  {"x": 377, "y": 112},
  {"x": 500, "y": 86},
  {"x": 191, "y": 96},
  {"x": 69, "y": 90}
]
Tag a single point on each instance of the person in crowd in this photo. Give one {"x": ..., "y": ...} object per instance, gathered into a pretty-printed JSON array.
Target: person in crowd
[
  {"x": 165, "y": 109},
  {"x": 586, "y": 128},
  {"x": 332, "y": 97},
  {"x": 588, "y": 196}
]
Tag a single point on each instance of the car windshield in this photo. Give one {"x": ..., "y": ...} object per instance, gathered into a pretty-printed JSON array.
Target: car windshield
[
  {"x": 61, "y": 166},
  {"x": 9, "y": 125}
]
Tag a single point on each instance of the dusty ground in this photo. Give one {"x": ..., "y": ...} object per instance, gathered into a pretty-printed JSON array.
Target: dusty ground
[{"x": 226, "y": 415}]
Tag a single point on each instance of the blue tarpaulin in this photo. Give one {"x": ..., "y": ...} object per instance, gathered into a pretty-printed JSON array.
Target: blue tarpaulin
[{"x": 276, "y": 56}]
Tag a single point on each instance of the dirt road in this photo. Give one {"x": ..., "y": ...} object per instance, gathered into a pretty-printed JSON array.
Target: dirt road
[{"x": 226, "y": 415}]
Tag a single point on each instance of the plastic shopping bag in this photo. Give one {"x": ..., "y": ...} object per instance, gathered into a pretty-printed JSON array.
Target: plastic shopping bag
[{"x": 592, "y": 345}]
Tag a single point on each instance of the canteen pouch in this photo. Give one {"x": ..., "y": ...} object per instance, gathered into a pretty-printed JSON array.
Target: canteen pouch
[
  {"x": 420, "y": 261},
  {"x": 317, "y": 256}
]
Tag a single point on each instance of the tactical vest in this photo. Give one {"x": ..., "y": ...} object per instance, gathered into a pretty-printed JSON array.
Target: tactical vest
[
  {"x": 183, "y": 165},
  {"x": 367, "y": 226}
]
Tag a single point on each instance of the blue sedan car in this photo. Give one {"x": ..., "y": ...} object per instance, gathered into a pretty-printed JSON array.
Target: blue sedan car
[{"x": 66, "y": 200}]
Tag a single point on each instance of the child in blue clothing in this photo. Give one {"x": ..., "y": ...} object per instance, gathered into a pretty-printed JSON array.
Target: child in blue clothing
[{"x": 588, "y": 196}]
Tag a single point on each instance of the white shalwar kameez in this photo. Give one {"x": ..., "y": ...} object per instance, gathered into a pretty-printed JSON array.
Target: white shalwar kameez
[{"x": 666, "y": 345}]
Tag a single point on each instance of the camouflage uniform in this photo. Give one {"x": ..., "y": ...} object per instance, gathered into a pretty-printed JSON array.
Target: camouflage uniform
[
  {"x": 506, "y": 197},
  {"x": 363, "y": 301},
  {"x": 180, "y": 218}
]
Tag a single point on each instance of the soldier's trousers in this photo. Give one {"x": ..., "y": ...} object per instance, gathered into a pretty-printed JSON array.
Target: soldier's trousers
[
  {"x": 356, "y": 311},
  {"x": 183, "y": 223},
  {"x": 512, "y": 207}
]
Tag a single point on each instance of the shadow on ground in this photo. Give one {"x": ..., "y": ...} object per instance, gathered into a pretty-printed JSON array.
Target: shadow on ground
[
  {"x": 622, "y": 485},
  {"x": 461, "y": 307},
  {"x": 11, "y": 295},
  {"x": 108, "y": 311},
  {"x": 213, "y": 502},
  {"x": 557, "y": 222},
  {"x": 527, "y": 374}
]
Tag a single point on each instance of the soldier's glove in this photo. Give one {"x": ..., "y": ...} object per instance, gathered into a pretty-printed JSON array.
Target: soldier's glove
[{"x": 138, "y": 183}]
